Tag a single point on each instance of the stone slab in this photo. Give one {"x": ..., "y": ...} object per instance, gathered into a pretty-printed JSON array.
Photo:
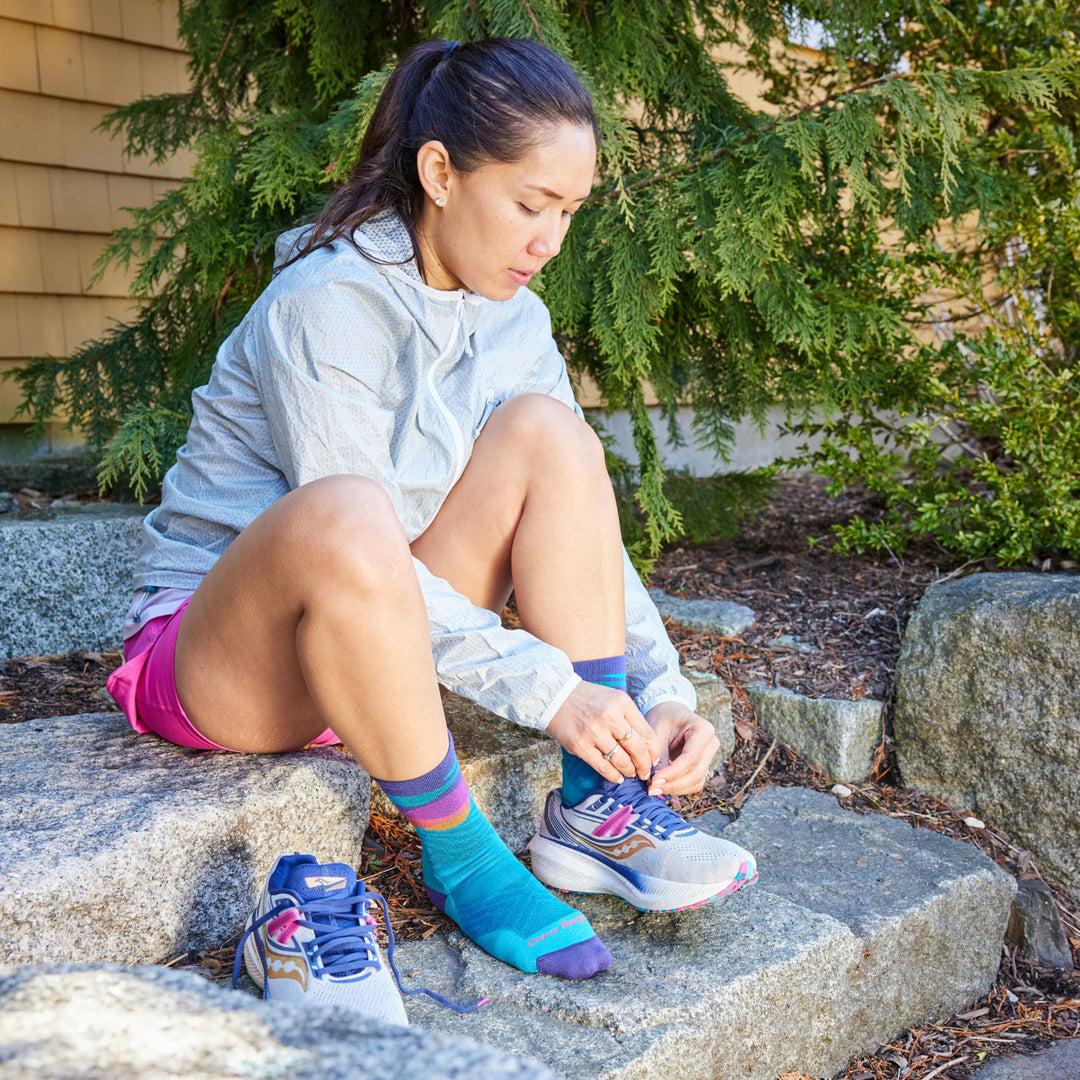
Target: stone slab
[
  {"x": 122, "y": 847},
  {"x": 54, "y": 473},
  {"x": 712, "y": 616},
  {"x": 150, "y": 1023},
  {"x": 1035, "y": 925},
  {"x": 1062, "y": 1062},
  {"x": 65, "y": 582},
  {"x": 510, "y": 769},
  {"x": 838, "y": 736},
  {"x": 714, "y": 704},
  {"x": 988, "y": 704},
  {"x": 858, "y": 927}
]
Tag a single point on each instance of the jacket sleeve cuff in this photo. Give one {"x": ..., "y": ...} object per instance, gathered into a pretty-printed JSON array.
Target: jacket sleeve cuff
[
  {"x": 647, "y": 701},
  {"x": 556, "y": 702}
]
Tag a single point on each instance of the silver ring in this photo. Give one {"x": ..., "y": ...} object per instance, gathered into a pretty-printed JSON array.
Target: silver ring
[
  {"x": 629, "y": 733},
  {"x": 611, "y": 753}
]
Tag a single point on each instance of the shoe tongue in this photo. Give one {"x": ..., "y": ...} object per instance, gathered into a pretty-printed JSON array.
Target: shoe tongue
[
  {"x": 629, "y": 788},
  {"x": 310, "y": 881}
]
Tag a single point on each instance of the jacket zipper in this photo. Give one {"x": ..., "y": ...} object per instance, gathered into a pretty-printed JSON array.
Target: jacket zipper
[{"x": 448, "y": 416}]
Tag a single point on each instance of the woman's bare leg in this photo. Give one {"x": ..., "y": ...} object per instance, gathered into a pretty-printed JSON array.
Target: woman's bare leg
[
  {"x": 534, "y": 511},
  {"x": 312, "y": 618}
]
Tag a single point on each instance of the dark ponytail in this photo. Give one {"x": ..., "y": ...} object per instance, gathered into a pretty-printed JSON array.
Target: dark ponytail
[{"x": 485, "y": 101}]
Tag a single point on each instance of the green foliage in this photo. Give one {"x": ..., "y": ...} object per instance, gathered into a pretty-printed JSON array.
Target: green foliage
[
  {"x": 735, "y": 258},
  {"x": 988, "y": 466},
  {"x": 975, "y": 441}
]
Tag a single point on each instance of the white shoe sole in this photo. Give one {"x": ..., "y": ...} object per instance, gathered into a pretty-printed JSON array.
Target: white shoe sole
[
  {"x": 574, "y": 871},
  {"x": 252, "y": 963}
]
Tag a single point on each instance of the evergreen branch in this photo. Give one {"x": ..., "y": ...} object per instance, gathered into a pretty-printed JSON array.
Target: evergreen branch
[
  {"x": 622, "y": 191},
  {"x": 539, "y": 35}
]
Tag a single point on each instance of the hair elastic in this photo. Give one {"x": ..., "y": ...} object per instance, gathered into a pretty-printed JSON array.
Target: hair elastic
[{"x": 450, "y": 47}]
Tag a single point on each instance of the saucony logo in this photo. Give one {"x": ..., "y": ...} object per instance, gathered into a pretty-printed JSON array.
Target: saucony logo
[
  {"x": 280, "y": 968},
  {"x": 325, "y": 882},
  {"x": 622, "y": 849}
]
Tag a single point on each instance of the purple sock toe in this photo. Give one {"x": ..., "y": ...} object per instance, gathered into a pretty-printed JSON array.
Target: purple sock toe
[{"x": 580, "y": 961}]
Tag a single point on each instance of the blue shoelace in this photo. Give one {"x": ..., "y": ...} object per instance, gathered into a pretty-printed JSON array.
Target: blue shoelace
[
  {"x": 343, "y": 950},
  {"x": 653, "y": 812}
]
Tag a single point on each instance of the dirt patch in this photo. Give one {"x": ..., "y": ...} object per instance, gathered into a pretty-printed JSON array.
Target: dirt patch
[{"x": 36, "y": 687}]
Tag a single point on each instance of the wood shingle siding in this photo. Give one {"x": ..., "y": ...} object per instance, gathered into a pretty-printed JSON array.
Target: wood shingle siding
[{"x": 64, "y": 64}]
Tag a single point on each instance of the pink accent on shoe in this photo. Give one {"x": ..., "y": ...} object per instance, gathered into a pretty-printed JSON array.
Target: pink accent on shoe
[
  {"x": 288, "y": 922},
  {"x": 616, "y": 823}
]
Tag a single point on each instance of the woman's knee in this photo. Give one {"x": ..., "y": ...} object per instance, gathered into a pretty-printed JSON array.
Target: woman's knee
[
  {"x": 548, "y": 433},
  {"x": 345, "y": 528}
]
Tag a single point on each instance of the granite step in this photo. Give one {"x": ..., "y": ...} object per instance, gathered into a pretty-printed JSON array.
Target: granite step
[
  {"x": 173, "y": 843},
  {"x": 857, "y": 928},
  {"x": 117, "y": 847},
  {"x": 123, "y": 848},
  {"x": 66, "y": 583},
  {"x": 68, "y": 1022}
]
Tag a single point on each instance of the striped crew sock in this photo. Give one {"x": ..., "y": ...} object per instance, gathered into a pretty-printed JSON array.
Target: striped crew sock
[
  {"x": 578, "y": 779},
  {"x": 470, "y": 874}
]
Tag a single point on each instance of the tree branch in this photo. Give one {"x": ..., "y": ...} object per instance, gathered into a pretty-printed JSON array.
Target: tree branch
[{"x": 725, "y": 151}]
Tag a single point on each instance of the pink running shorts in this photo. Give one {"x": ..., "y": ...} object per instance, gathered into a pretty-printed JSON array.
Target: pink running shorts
[{"x": 144, "y": 687}]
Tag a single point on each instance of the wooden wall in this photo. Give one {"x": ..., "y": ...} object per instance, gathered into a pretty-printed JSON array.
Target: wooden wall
[{"x": 63, "y": 185}]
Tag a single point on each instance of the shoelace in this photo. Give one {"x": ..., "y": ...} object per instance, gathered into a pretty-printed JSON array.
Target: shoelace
[
  {"x": 353, "y": 946},
  {"x": 653, "y": 812}
]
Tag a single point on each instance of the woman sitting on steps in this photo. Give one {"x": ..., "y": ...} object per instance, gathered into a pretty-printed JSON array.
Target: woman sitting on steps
[{"x": 387, "y": 446}]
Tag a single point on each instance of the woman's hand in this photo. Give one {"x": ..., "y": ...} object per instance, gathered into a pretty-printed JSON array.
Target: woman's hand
[
  {"x": 594, "y": 720},
  {"x": 688, "y": 743}
]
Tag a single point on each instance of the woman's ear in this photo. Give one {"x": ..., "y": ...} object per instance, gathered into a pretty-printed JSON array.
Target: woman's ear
[{"x": 434, "y": 169}]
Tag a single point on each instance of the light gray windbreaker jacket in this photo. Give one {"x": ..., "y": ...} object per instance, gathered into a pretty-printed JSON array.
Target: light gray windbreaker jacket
[{"x": 347, "y": 366}]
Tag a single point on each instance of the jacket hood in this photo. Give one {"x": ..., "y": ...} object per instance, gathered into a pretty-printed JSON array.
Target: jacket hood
[{"x": 386, "y": 240}]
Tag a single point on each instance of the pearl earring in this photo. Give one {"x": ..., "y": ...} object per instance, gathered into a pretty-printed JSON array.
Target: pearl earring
[{"x": 440, "y": 201}]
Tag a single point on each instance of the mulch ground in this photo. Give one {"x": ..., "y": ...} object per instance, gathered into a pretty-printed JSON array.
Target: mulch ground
[{"x": 852, "y": 610}]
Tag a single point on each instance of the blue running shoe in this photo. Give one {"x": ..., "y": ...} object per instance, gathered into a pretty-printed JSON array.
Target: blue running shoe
[
  {"x": 312, "y": 937},
  {"x": 624, "y": 842}
]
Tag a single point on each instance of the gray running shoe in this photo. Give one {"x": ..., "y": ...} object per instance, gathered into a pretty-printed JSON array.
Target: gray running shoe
[{"x": 624, "y": 842}]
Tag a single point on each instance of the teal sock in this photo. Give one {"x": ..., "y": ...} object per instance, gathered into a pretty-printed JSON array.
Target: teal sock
[
  {"x": 579, "y": 779},
  {"x": 470, "y": 874}
]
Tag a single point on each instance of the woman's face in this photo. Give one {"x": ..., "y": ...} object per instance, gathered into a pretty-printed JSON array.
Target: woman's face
[{"x": 501, "y": 223}]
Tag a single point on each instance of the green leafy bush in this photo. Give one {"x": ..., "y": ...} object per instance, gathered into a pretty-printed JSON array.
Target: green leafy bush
[{"x": 975, "y": 441}]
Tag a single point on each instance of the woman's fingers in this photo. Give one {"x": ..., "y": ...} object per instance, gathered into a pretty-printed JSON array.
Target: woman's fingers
[
  {"x": 638, "y": 744},
  {"x": 688, "y": 771},
  {"x": 604, "y": 728},
  {"x": 606, "y": 766},
  {"x": 631, "y": 744}
]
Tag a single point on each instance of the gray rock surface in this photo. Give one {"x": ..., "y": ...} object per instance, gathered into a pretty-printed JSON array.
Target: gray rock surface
[
  {"x": 1061, "y": 1063},
  {"x": 714, "y": 704},
  {"x": 713, "y": 616},
  {"x": 147, "y": 1023},
  {"x": 66, "y": 581},
  {"x": 1035, "y": 925},
  {"x": 57, "y": 473},
  {"x": 858, "y": 927},
  {"x": 510, "y": 770},
  {"x": 838, "y": 736},
  {"x": 122, "y": 847},
  {"x": 987, "y": 708}
]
